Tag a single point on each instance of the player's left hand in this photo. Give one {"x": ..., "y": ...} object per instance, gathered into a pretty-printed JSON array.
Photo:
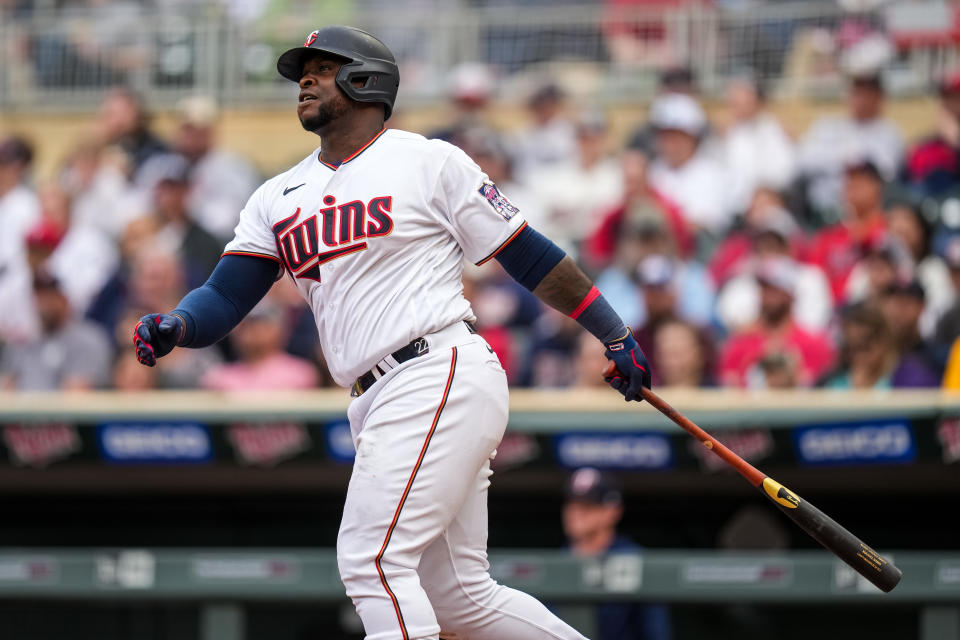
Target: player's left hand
[
  {"x": 632, "y": 371},
  {"x": 155, "y": 336}
]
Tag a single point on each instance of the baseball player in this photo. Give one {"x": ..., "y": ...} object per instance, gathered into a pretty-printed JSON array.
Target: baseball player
[{"x": 373, "y": 227}]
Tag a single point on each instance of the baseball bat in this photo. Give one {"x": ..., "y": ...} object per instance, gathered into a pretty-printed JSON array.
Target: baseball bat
[{"x": 821, "y": 527}]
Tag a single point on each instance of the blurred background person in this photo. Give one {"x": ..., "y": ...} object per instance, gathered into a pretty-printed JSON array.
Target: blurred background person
[
  {"x": 682, "y": 171},
  {"x": 774, "y": 332},
  {"x": 263, "y": 365},
  {"x": 551, "y": 136},
  {"x": 589, "y": 358},
  {"x": 832, "y": 141},
  {"x": 868, "y": 351},
  {"x": 68, "y": 355},
  {"x": 124, "y": 122},
  {"x": 591, "y": 512},
  {"x": 753, "y": 147},
  {"x": 902, "y": 305},
  {"x": 838, "y": 248},
  {"x": 220, "y": 182},
  {"x": 684, "y": 355},
  {"x": 948, "y": 326},
  {"x": 933, "y": 164},
  {"x": 470, "y": 88},
  {"x": 19, "y": 212}
]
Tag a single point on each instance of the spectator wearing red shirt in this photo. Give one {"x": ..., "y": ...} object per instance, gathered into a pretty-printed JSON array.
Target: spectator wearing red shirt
[
  {"x": 933, "y": 166},
  {"x": 775, "y": 334},
  {"x": 838, "y": 249}
]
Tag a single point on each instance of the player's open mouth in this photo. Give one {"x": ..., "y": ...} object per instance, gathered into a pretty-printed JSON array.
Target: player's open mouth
[{"x": 306, "y": 97}]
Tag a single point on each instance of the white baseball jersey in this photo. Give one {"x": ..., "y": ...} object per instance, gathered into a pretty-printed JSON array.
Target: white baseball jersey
[{"x": 376, "y": 245}]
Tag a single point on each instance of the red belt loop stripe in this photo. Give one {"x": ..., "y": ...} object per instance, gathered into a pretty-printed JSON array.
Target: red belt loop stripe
[{"x": 406, "y": 492}]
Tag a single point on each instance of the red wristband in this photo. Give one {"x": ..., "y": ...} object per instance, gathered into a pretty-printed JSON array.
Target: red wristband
[{"x": 592, "y": 295}]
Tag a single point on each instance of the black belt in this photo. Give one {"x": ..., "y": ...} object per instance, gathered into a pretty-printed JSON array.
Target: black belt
[{"x": 415, "y": 349}]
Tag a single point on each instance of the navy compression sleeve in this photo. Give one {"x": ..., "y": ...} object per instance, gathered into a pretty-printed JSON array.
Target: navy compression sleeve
[
  {"x": 236, "y": 285},
  {"x": 529, "y": 257}
]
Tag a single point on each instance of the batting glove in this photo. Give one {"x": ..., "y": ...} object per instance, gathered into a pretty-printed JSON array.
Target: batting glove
[
  {"x": 155, "y": 336},
  {"x": 632, "y": 370}
]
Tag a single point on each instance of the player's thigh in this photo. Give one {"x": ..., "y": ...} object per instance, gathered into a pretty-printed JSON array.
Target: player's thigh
[{"x": 422, "y": 443}]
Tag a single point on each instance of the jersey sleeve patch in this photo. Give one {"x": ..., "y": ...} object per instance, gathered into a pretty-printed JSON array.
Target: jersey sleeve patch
[{"x": 497, "y": 200}]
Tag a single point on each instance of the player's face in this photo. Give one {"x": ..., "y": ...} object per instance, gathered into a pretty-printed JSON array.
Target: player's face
[{"x": 320, "y": 101}]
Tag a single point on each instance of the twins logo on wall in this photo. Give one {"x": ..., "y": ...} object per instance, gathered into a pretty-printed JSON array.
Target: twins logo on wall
[{"x": 340, "y": 230}]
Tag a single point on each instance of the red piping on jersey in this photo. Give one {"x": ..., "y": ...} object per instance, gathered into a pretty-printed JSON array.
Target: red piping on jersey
[
  {"x": 352, "y": 155},
  {"x": 592, "y": 295},
  {"x": 253, "y": 254},
  {"x": 406, "y": 492},
  {"x": 504, "y": 245}
]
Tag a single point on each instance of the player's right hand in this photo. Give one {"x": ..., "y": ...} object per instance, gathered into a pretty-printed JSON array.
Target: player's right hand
[{"x": 155, "y": 336}]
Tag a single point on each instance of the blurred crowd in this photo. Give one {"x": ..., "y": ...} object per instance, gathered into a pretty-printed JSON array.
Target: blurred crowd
[{"x": 740, "y": 255}]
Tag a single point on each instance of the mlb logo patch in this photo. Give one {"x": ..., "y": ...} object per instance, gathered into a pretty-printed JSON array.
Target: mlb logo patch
[{"x": 497, "y": 200}]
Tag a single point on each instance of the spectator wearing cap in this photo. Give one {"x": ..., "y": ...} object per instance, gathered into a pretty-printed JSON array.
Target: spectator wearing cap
[
  {"x": 221, "y": 182},
  {"x": 674, "y": 79},
  {"x": 682, "y": 172},
  {"x": 577, "y": 192},
  {"x": 646, "y": 256},
  {"x": 470, "y": 88},
  {"x": 19, "y": 213},
  {"x": 81, "y": 257},
  {"x": 933, "y": 165},
  {"x": 641, "y": 206},
  {"x": 738, "y": 301},
  {"x": 868, "y": 352},
  {"x": 948, "y": 326},
  {"x": 754, "y": 148},
  {"x": 592, "y": 510},
  {"x": 66, "y": 355},
  {"x": 902, "y": 306},
  {"x": 775, "y": 332},
  {"x": 838, "y": 248},
  {"x": 173, "y": 225},
  {"x": 551, "y": 137},
  {"x": 832, "y": 141},
  {"x": 668, "y": 293},
  {"x": 263, "y": 365}
]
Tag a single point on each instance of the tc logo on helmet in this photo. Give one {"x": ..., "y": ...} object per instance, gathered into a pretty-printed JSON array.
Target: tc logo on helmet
[{"x": 311, "y": 38}]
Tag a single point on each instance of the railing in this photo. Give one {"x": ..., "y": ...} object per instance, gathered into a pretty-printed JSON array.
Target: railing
[{"x": 63, "y": 60}]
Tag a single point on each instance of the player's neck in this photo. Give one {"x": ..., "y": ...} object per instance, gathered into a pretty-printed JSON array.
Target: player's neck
[{"x": 340, "y": 142}]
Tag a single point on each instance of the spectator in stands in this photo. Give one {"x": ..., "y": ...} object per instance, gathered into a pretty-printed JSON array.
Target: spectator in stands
[
  {"x": 552, "y": 136},
  {"x": 754, "y": 148},
  {"x": 471, "y": 86},
  {"x": 591, "y": 512},
  {"x": 642, "y": 206},
  {"x": 19, "y": 212},
  {"x": 689, "y": 281},
  {"x": 668, "y": 293},
  {"x": 902, "y": 306},
  {"x": 881, "y": 267},
  {"x": 684, "y": 355},
  {"x": 590, "y": 362},
  {"x": 868, "y": 353},
  {"x": 863, "y": 133},
  {"x": 948, "y": 326},
  {"x": 124, "y": 122},
  {"x": 738, "y": 302},
  {"x": 910, "y": 227},
  {"x": 551, "y": 352},
  {"x": 81, "y": 257},
  {"x": 173, "y": 224},
  {"x": 68, "y": 355},
  {"x": 837, "y": 249},
  {"x": 96, "y": 178},
  {"x": 671, "y": 80},
  {"x": 774, "y": 333},
  {"x": 220, "y": 182},
  {"x": 263, "y": 365},
  {"x": 129, "y": 375},
  {"x": 933, "y": 166},
  {"x": 681, "y": 171},
  {"x": 579, "y": 191}
]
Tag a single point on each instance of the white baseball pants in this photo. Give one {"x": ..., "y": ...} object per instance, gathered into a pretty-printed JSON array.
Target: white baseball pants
[{"x": 412, "y": 549}]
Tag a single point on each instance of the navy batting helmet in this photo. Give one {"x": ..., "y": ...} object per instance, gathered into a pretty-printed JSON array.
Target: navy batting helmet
[{"x": 366, "y": 59}]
